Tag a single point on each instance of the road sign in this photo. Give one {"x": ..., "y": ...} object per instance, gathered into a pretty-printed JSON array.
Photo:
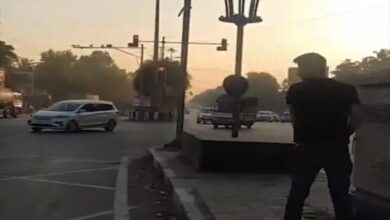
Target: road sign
[{"x": 235, "y": 85}]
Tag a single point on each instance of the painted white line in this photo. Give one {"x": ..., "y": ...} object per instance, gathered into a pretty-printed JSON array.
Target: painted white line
[
  {"x": 58, "y": 158},
  {"x": 58, "y": 173},
  {"x": 121, "y": 211},
  {"x": 20, "y": 156},
  {"x": 68, "y": 184},
  {"x": 98, "y": 214}
]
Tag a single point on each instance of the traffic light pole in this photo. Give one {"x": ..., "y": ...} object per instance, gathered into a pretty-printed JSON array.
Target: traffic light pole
[
  {"x": 142, "y": 54},
  {"x": 120, "y": 49},
  {"x": 156, "y": 31},
  {"x": 184, "y": 62}
]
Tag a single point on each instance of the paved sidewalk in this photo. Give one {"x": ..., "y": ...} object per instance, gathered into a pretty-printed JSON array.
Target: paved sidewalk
[{"x": 238, "y": 196}]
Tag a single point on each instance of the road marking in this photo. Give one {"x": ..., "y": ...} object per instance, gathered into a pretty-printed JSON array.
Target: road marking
[
  {"x": 58, "y": 158},
  {"x": 57, "y": 173},
  {"x": 68, "y": 184},
  {"x": 98, "y": 214},
  {"x": 121, "y": 211},
  {"x": 21, "y": 156}
]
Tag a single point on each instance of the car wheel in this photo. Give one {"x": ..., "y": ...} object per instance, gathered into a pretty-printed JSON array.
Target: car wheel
[
  {"x": 215, "y": 126},
  {"x": 249, "y": 126},
  {"x": 72, "y": 127},
  {"x": 110, "y": 126},
  {"x": 197, "y": 122},
  {"x": 36, "y": 130}
]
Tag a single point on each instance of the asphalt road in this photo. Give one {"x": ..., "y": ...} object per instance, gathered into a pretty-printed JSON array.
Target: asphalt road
[
  {"x": 271, "y": 132},
  {"x": 55, "y": 175}
]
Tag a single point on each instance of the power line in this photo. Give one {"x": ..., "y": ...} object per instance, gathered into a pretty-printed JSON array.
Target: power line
[{"x": 324, "y": 17}]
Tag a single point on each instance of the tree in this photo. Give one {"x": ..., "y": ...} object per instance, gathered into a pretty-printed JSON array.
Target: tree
[
  {"x": 53, "y": 73},
  {"x": 7, "y": 55},
  {"x": 25, "y": 64},
  {"x": 369, "y": 68},
  {"x": 266, "y": 88},
  {"x": 98, "y": 74},
  {"x": 162, "y": 81}
]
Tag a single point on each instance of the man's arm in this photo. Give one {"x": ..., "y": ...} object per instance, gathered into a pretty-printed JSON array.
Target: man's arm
[
  {"x": 289, "y": 101},
  {"x": 291, "y": 114}
]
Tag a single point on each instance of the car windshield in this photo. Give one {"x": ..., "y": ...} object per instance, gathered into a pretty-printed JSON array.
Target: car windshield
[{"x": 64, "y": 107}]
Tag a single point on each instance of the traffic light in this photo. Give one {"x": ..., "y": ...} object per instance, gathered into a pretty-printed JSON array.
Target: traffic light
[
  {"x": 135, "y": 42},
  {"x": 223, "y": 46},
  {"x": 161, "y": 74}
]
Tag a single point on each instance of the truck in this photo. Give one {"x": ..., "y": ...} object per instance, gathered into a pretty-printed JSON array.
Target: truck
[
  {"x": 223, "y": 113},
  {"x": 10, "y": 103}
]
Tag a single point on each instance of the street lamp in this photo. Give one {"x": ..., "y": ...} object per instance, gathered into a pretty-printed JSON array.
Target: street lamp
[
  {"x": 240, "y": 19},
  {"x": 236, "y": 85}
]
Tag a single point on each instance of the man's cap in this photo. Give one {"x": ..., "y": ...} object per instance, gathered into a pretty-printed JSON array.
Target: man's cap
[{"x": 310, "y": 59}]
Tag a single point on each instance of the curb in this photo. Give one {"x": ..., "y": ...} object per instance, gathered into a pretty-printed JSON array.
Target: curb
[
  {"x": 121, "y": 210},
  {"x": 187, "y": 200}
]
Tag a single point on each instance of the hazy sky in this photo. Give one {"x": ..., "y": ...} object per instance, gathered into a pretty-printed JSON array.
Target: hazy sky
[{"x": 337, "y": 29}]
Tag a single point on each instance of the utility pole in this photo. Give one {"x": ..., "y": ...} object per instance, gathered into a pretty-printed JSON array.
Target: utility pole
[
  {"x": 163, "y": 48},
  {"x": 156, "y": 31},
  {"x": 184, "y": 62},
  {"x": 142, "y": 54}
]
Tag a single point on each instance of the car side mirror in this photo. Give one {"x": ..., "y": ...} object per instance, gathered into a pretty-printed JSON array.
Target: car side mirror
[{"x": 82, "y": 111}]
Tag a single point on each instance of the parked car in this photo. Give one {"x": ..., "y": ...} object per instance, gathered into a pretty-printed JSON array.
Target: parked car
[
  {"x": 219, "y": 118},
  {"x": 73, "y": 115},
  {"x": 265, "y": 116},
  {"x": 276, "y": 118},
  {"x": 285, "y": 117},
  {"x": 204, "y": 115}
]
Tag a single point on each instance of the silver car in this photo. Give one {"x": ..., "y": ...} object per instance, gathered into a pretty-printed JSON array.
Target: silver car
[{"x": 73, "y": 115}]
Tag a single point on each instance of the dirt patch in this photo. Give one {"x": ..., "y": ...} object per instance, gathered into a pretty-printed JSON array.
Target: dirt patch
[{"x": 149, "y": 192}]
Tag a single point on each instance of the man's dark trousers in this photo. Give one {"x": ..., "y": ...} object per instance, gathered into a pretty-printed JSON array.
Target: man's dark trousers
[{"x": 311, "y": 158}]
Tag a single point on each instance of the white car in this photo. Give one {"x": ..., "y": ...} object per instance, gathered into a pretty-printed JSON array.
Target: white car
[
  {"x": 265, "y": 116},
  {"x": 74, "y": 115}
]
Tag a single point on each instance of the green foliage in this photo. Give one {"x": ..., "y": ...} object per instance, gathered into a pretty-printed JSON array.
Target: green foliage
[
  {"x": 369, "y": 68},
  {"x": 266, "y": 88},
  {"x": 53, "y": 73},
  {"x": 163, "y": 86},
  {"x": 148, "y": 80},
  {"x": 64, "y": 76},
  {"x": 7, "y": 55},
  {"x": 25, "y": 64}
]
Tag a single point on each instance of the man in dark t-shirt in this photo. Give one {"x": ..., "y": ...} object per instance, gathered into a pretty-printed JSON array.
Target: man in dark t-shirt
[{"x": 321, "y": 110}]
